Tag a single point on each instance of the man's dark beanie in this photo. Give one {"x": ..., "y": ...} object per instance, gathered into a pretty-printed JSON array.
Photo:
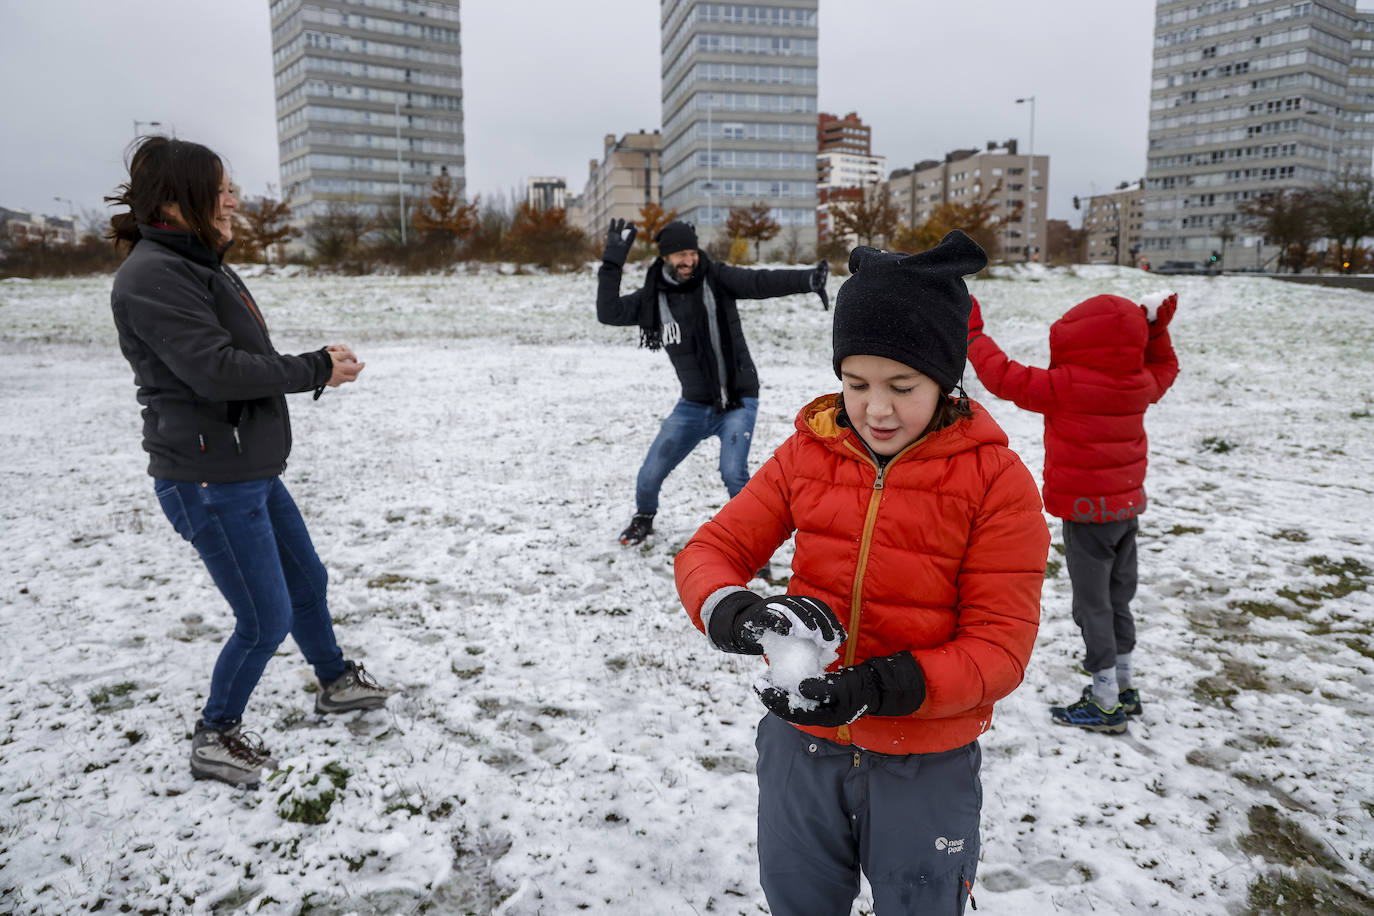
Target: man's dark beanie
[
  {"x": 676, "y": 236},
  {"x": 910, "y": 307}
]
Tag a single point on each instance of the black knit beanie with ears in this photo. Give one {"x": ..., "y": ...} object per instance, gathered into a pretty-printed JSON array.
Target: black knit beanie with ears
[
  {"x": 913, "y": 308},
  {"x": 676, "y": 236}
]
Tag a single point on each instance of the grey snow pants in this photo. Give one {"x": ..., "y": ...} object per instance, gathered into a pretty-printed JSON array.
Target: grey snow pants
[
  {"x": 826, "y": 810},
  {"x": 1102, "y": 569}
]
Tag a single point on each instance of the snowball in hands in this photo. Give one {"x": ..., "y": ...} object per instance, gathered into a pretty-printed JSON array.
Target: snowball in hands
[{"x": 793, "y": 658}]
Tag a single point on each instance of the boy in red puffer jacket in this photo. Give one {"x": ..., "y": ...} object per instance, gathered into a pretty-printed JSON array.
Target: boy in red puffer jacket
[
  {"x": 1110, "y": 359},
  {"x": 923, "y": 531}
]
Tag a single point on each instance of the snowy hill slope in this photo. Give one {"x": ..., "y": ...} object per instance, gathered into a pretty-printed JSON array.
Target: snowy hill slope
[{"x": 567, "y": 742}]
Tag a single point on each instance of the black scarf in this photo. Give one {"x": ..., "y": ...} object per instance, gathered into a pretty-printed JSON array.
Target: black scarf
[{"x": 698, "y": 327}]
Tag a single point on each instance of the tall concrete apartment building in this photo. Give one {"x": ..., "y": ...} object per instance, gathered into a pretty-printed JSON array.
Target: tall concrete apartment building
[
  {"x": 1248, "y": 98},
  {"x": 623, "y": 181},
  {"x": 369, "y": 101},
  {"x": 967, "y": 175},
  {"x": 739, "y": 111}
]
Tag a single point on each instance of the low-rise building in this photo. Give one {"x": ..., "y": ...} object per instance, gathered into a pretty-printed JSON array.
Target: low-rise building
[
  {"x": 622, "y": 181},
  {"x": 547, "y": 193},
  {"x": 1017, "y": 186},
  {"x": 1113, "y": 222},
  {"x": 22, "y": 226}
]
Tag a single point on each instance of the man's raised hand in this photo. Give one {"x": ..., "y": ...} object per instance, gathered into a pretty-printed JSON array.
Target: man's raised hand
[{"x": 620, "y": 238}]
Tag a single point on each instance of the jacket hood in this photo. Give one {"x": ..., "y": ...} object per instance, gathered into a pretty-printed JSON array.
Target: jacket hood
[
  {"x": 820, "y": 421},
  {"x": 1105, "y": 333}
]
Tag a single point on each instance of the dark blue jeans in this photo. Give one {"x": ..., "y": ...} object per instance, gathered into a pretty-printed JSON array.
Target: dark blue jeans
[
  {"x": 684, "y": 429},
  {"x": 252, "y": 539},
  {"x": 827, "y": 810}
]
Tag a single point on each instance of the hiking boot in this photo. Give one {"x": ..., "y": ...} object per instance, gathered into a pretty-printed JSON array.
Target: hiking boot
[
  {"x": 1087, "y": 715},
  {"x": 641, "y": 526},
  {"x": 230, "y": 755},
  {"x": 354, "y": 689},
  {"x": 1128, "y": 698}
]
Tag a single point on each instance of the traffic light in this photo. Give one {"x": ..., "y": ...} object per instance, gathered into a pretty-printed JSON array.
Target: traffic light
[
  {"x": 1215, "y": 257},
  {"x": 1075, "y": 201}
]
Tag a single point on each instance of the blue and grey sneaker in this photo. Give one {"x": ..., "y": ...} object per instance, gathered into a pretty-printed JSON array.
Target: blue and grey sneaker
[
  {"x": 1087, "y": 715},
  {"x": 1128, "y": 698}
]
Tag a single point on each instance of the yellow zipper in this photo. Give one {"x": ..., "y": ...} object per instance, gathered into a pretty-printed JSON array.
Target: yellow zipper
[{"x": 865, "y": 543}]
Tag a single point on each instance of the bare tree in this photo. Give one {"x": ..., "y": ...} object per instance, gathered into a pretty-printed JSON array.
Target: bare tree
[
  {"x": 266, "y": 223},
  {"x": 1344, "y": 209},
  {"x": 753, "y": 223},
  {"x": 792, "y": 248},
  {"x": 337, "y": 235},
  {"x": 1287, "y": 218},
  {"x": 870, "y": 218}
]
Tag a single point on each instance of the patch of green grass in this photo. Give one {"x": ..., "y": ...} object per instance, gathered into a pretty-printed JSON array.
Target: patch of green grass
[
  {"x": 1185, "y": 529},
  {"x": 1305, "y": 894},
  {"x": 107, "y": 699},
  {"x": 1216, "y": 445},
  {"x": 1359, "y": 645},
  {"x": 1296, "y": 535},
  {"x": 1221, "y": 689},
  {"x": 1283, "y": 841},
  {"x": 1268, "y": 609},
  {"x": 1052, "y": 568},
  {"x": 466, "y": 674},
  {"x": 396, "y": 580}
]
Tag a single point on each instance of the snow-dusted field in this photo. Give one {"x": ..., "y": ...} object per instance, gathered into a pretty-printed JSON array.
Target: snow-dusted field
[{"x": 567, "y": 742}]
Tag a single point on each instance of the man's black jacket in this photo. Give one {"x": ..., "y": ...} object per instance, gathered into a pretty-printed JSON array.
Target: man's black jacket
[
  {"x": 693, "y": 358},
  {"x": 210, "y": 383}
]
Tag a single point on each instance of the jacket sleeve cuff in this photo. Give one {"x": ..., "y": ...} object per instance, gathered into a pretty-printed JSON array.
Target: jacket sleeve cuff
[
  {"x": 719, "y": 621},
  {"x": 324, "y": 367},
  {"x": 901, "y": 684}
]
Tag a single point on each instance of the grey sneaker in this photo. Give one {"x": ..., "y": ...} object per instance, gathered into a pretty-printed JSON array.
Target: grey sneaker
[
  {"x": 354, "y": 689},
  {"x": 230, "y": 755}
]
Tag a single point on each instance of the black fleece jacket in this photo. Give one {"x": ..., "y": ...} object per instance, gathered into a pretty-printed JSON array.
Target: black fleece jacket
[
  {"x": 211, "y": 385},
  {"x": 693, "y": 358}
]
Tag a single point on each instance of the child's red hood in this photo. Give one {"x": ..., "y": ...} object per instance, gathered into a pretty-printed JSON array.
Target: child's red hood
[{"x": 1106, "y": 333}]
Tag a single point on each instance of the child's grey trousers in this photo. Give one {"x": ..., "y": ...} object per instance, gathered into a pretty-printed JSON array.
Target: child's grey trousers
[
  {"x": 910, "y": 821},
  {"x": 1102, "y": 569}
]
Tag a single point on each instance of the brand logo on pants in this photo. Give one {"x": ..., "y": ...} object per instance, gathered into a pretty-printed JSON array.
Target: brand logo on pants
[{"x": 949, "y": 846}]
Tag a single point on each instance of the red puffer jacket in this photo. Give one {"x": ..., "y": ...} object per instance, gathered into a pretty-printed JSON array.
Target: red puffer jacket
[
  {"x": 1108, "y": 363},
  {"x": 941, "y": 553}
]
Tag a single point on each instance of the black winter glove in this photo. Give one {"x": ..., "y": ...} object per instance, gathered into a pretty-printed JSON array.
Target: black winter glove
[
  {"x": 618, "y": 242},
  {"x": 742, "y": 617},
  {"x": 819, "y": 276},
  {"x": 888, "y": 686}
]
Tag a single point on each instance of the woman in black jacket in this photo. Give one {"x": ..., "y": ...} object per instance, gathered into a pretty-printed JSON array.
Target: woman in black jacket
[{"x": 216, "y": 428}]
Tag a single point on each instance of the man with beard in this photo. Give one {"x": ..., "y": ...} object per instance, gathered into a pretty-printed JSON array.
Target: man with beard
[{"x": 687, "y": 307}]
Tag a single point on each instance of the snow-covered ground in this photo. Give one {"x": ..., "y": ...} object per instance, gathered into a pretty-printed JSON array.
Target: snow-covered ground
[{"x": 567, "y": 742}]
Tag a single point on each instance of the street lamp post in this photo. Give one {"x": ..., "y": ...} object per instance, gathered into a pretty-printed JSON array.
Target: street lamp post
[
  {"x": 400, "y": 179},
  {"x": 71, "y": 212},
  {"x": 710, "y": 213},
  {"x": 1030, "y": 179}
]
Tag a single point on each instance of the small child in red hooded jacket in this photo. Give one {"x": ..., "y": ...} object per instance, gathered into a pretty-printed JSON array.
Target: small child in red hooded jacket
[{"x": 1110, "y": 359}]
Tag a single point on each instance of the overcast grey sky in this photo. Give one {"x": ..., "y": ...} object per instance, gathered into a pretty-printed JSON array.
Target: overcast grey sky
[{"x": 545, "y": 80}]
